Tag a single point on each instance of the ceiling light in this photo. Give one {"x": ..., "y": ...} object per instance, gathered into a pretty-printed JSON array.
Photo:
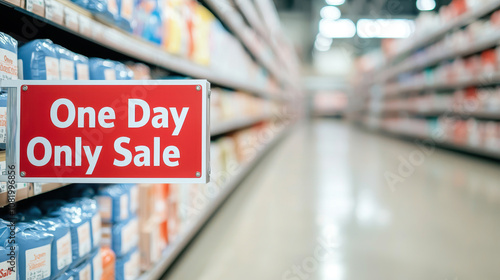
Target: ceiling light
[
  {"x": 330, "y": 12},
  {"x": 385, "y": 28},
  {"x": 426, "y": 5},
  {"x": 335, "y": 2},
  {"x": 341, "y": 28}
]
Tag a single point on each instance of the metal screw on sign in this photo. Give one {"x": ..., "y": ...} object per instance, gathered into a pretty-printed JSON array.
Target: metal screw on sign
[
  {"x": 198, "y": 88},
  {"x": 198, "y": 174},
  {"x": 25, "y": 88},
  {"x": 23, "y": 173}
]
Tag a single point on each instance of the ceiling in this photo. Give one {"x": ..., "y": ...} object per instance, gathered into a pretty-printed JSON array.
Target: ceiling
[{"x": 300, "y": 19}]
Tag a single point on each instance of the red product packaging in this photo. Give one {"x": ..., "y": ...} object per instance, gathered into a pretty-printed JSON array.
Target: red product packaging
[{"x": 489, "y": 61}]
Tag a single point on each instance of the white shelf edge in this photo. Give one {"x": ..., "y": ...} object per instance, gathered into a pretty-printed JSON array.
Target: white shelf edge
[
  {"x": 436, "y": 113},
  {"x": 174, "y": 249},
  {"x": 447, "y": 144},
  {"x": 228, "y": 126}
]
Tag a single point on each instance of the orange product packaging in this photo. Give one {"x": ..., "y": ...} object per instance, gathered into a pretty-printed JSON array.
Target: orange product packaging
[
  {"x": 175, "y": 27},
  {"x": 108, "y": 264}
]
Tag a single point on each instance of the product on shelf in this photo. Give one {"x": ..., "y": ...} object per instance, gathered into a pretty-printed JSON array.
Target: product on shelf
[
  {"x": 101, "y": 69},
  {"x": 108, "y": 264},
  {"x": 96, "y": 263},
  {"x": 140, "y": 71},
  {"x": 39, "y": 60},
  {"x": 81, "y": 67},
  {"x": 8, "y": 71},
  {"x": 34, "y": 257},
  {"x": 66, "y": 63},
  {"x": 121, "y": 237},
  {"x": 123, "y": 72},
  {"x": 127, "y": 267}
]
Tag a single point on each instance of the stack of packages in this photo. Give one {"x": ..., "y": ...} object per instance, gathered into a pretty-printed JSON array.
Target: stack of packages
[
  {"x": 153, "y": 222},
  {"x": 120, "y": 231},
  {"x": 56, "y": 239}
]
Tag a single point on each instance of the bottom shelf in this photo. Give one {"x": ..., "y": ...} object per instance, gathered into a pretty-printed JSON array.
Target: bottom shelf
[{"x": 179, "y": 244}]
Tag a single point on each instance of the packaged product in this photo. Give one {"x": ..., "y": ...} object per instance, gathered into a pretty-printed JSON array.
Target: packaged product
[
  {"x": 141, "y": 71},
  {"x": 34, "y": 251},
  {"x": 106, "y": 10},
  {"x": 8, "y": 254},
  {"x": 91, "y": 211},
  {"x": 152, "y": 29},
  {"x": 39, "y": 60},
  {"x": 66, "y": 63},
  {"x": 150, "y": 244},
  {"x": 96, "y": 263},
  {"x": 108, "y": 264},
  {"x": 113, "y": 201},
  {"x": 121, "y": 237},
  {"x": 83, "y": 271},
  {"x": 61, "y": 254},
  {"x": 79, "y": 225},
  {"x": 123, "y": 72},
  {"x": 127, "y": 267},
  {"x": 125, "y": 19},
  {"x": 83, "y": 3},
  {"x": 81, "y": 67},
  {"x": 202, "y": 21},
  {"x": 101, "y": 69},
  {"x": 175, "y": 28},
  {"x": 8, "y": 51}
]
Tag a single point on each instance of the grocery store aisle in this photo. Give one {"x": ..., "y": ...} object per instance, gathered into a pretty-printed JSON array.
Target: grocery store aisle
[{"x": 319, "y": 207}]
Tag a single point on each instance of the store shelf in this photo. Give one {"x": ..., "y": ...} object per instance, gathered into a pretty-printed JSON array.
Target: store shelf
[
  {"x": 412, "y": 65},
  {"x": 125, "y": 44},
  {"x": 459, "y": 22},
  {"x": 436, "y": 113},
  {"x": 236, "y": 24},
  {"x": 489, "y": 153},
  {"x": 175, "y": 248},
  {"x": 483, "y": 80},
  {"x": 239, "y": 123}
]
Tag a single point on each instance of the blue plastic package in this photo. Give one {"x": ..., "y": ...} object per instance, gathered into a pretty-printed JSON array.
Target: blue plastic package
[
  {"x": 123, "y": 72},
  {"x": 9, "y": 252},
  {"x": 39, "y": 60},
  {"x": 81, "y": 67},
  {"x": 61, "y": 254},
  {"x": 82, "y": 3},
  {"x": 8, "y": 52},
  {"x": 34, "y": 251},
  {"x": 8, "y": 71},
  {"x": 127, "y": 267},
  {"x": 83, "y": 271},
  {"x": 153, "y": 27},
  {"x": 113, "y": 203},
  {"x": 101, "y": 69},
  {"x": 124, "y": 236},
  {"x": 91, "y": 211},
  {"x": 66, "y": 63},
  {"x": 96, "y": 262},
  {"x": 133, "y": 191},
  {"x": 106, "y": 10},
  {"x": 79, "y": 225}
]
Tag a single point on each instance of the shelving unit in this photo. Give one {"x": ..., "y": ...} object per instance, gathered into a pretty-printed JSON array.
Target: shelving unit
[
  {"x": 101, "y": 39},
  {"x": 135, "y": 48},
  {"x": 381, "y": 98},
  {"x": 459, "y": 22},
  {"x": 178, "y": 245}
]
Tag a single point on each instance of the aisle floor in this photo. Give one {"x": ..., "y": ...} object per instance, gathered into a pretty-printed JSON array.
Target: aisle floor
[{"x": 319, "y": 206}]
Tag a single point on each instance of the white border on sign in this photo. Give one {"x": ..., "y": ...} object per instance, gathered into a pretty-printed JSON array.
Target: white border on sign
[{"x": 205, "y": 157}]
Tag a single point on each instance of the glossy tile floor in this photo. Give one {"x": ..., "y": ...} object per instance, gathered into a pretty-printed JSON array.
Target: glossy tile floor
[{"x": 330, "y": 203}]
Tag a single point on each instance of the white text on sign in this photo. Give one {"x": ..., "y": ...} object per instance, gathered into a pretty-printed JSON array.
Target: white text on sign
[{"x": 105, "y": 117}]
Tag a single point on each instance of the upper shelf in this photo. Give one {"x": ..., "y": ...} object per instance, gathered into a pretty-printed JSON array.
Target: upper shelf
[
  {"x": 460, "y": 21},
  {"x": 252, "y": 41},
  {"x": 128, "y": 45}
]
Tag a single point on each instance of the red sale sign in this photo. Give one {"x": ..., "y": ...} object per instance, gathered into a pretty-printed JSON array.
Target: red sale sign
[{"x": 113, "y": 132}]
